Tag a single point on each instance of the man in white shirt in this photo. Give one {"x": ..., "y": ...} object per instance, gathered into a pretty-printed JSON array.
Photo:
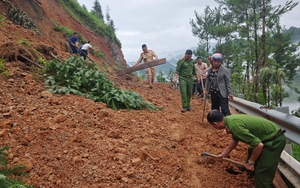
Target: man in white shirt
[
  {"x": 85, "y": 49},
  {"x": 201, "y": 69}
]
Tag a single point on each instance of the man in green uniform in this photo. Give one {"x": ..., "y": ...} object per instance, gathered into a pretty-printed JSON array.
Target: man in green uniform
[
  {"x": 265, "y": 138},
  {"x": 185, "y": 69}
]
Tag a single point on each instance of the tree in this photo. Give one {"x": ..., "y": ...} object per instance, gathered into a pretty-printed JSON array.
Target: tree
[
  {"x": 202, "y": 27},
  {"x": 160, "y": 77},
  {"x": 97, "y": 11},
  {"x": 109, "y": 21},
  {"x": 242, "y": 29},
  {"x": 170, "y": 75},
  {"x": 84, "y": 7}
]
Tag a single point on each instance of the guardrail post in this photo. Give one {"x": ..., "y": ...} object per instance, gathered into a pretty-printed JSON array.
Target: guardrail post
[{"x": 288, "y": 145}]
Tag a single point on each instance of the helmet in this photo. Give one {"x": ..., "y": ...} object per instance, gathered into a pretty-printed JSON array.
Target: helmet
[{"x": 217, "y": 57}]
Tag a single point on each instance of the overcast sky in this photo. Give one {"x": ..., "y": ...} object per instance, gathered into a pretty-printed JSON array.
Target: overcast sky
[{"x": 162, "y": 24}]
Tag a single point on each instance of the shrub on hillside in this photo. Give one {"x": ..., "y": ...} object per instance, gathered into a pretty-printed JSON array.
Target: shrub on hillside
[{"x": 80, "y": 78}]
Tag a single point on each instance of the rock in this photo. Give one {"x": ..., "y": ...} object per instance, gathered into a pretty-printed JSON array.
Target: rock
[
  {"x": 113, "y": 134},
  {"x": 6, "y": 124},
  {"x": 103, "y": 113},
  {"x": 46, "y": 94},
  {"x": 5, "y": 110},
  {"x": 4, "y": 133},
  {"x": 28, "y": 165},
  {"x": 59, "y": 118},
  {"x": 77, "y": 160},
  {"x": 136, "y": 161},
  {"x": 7, "y": 114},
  {"x": 85, "y": 155},
  {"x": 124, "y": 179},
  {"x": 23, "y": 74}
]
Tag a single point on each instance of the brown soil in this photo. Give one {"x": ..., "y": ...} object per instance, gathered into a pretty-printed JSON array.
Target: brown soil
[{"x": 69, "y": 141}]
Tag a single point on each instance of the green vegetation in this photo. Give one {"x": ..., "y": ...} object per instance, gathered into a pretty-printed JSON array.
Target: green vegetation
[
  {"x": 8, "y": 175},
  {"x": 295, "y": 147},
  {"x": 168, "y": 78},
  {"x": 98, "y": 54},
  {"x": 2, "y": 18},
  {"x": 69, "y": 32},
  {"x": 296, "y": 151},
  {"x": 160, "y": 77},
  {"x": 256, "y": 49},
  {"x": 23, "y": 41},
  {"x": 3, "y": 69},
  {"x": 80, "y": 78},
  {"x": 91, "y": 21},
  {"x": 21, "y": 18}
]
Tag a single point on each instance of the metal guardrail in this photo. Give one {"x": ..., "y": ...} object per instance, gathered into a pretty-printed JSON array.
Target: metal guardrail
[
  {"x": 285, "y": 121},
  {"x": 290, "y": 167}
]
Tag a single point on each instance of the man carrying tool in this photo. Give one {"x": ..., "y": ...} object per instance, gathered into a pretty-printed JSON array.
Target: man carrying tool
[
  {"x": 201, "y": 69},
  {"x": 265, "y": 138},
  {"x": 84, "y": 51},
  {"x": 147, "y": 56},
  {"x": 73, "y": 43},
  {"x": 185, "y": 69}
]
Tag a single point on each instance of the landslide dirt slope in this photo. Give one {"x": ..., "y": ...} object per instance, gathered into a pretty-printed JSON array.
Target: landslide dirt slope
[{"x": 71, "y": 142}]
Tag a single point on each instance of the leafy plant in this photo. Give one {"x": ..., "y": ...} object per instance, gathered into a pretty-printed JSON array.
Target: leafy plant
[
  {"x": 22, "y": 41},
  {"x": 2, "y": 18},
  {"x": 84, "y": 79},
  {"x": 98, "y": 54},
  {"x": 7, "y": 173},
  {"x": 3, "y": 69}
]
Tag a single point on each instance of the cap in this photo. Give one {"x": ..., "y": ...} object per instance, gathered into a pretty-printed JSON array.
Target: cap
[{"x": 189, "y": 52}]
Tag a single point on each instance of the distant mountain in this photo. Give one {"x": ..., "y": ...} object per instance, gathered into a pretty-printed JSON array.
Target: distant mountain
[
  {"x": 172, "y": 59},
  {"x": 295, "y": 38}
]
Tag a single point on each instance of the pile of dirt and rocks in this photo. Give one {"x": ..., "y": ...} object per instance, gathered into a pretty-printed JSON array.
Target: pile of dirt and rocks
[{"x": 73, "y": 142}]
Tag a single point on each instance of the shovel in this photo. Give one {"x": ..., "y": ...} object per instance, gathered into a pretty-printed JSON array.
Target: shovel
[{"x": 239, "y": 164}]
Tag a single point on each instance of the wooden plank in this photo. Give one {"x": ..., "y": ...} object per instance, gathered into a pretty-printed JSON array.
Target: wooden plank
[
  {"x": 142, "y": 66},
  {"x": 278, "y": 182}
]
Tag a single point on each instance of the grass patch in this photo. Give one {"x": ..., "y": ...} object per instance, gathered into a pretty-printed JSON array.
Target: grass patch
[
  {"x": 92, "y": 22},
  {"x": 296, "y": 151}
]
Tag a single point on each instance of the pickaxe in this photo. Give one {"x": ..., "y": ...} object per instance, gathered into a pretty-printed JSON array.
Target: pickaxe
[{"x": 240, "y": 165}]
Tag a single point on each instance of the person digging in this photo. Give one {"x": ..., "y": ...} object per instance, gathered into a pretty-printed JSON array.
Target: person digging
[{"x": 265, "y": 138}]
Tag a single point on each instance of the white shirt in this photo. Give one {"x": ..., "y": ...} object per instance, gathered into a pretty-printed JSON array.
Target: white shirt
[{"x": 86, "y": 46}]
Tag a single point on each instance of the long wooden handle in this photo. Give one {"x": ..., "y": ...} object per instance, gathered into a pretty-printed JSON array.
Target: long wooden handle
[
  {"x": 206, "y": 88},
  {"x": 225, "y": 159}
]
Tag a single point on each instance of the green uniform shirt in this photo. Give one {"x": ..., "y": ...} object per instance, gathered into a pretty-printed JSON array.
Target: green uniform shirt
[
  {"x": 250, "y": 129},
  {"x": 186, "y": 68}
]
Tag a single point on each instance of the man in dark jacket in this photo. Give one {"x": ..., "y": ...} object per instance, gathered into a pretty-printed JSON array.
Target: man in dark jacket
[
  {"x": 73, "y": 43},
  {"x": 219, "y": 85}
]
